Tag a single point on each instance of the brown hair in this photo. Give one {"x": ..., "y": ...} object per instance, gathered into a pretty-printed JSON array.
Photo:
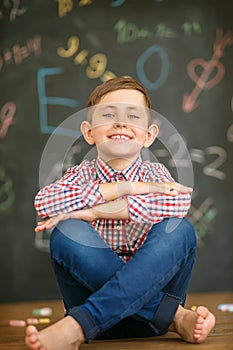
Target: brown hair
[{"x": 117, "y": 83}]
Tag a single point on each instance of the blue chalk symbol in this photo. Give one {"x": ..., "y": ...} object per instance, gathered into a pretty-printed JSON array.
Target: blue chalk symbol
[
  {"x": 117, "y": 3},
  {"x": 44, "y": 101},
  {"x": 154, "y": 49}
]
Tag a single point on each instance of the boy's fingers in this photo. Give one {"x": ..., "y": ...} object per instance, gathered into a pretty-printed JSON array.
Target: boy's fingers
[
  {"x": 39, "y": 228},
  {"x": 183, "y": 188},
  {"x": 172, "y": 188},
  {"x": 176, "y": 186},
  {"x": 40, "y": 223},
  {"x": 46, "y": 224}
]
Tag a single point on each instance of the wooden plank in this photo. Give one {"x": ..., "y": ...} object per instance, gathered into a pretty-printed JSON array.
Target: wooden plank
[{"x": 221, "y": 338}]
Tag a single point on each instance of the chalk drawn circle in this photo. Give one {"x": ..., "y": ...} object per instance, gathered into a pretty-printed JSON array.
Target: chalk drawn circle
[{"x": 140, "y": 66}]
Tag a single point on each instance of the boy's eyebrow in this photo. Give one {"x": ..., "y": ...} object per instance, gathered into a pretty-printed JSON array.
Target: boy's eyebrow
[
  {"x": 135, "y": 108},
  {"x": 128, "y": 107},
  {"x": 102, "y": 107}
]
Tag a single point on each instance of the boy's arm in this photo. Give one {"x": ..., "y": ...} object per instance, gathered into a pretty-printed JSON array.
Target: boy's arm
[
  {"x": 155, "y": 207},
  {"x": 117, "y": 210},
  {"x": 113, "y": 190},
  {"x": 71, "y": 193},
  {"x": 159, "y": 201},
  {"x": 138, "y": 210},
  {"x": 77, "y": 189}
]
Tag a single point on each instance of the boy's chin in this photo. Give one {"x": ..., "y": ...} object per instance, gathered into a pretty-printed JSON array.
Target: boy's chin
[
  {"x": 125, "y": 151},
  {"x": 123, "y": 159}
]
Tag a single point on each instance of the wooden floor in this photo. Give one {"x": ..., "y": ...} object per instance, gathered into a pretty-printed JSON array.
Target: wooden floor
[{"x": 221, "y": 337}]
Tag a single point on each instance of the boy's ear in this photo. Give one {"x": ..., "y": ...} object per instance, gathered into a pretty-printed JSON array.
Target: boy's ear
[
  {"x": 87, "y": 132},
  {"x": 152, "y": 133}
]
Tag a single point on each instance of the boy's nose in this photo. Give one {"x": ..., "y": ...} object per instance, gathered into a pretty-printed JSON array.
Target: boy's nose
[{"x": 119, "y": 125}]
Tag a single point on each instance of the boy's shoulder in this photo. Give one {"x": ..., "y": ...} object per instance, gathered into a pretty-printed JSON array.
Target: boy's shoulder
[
  {"x": 155, "y": 170},
  {"x": 84, "y": 166},
  {"x": 153, "y": 165}
]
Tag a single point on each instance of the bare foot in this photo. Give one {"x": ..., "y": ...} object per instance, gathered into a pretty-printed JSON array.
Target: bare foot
[
  {"x": 193, "y": 327},
  {"x": 65, "y": 334}
]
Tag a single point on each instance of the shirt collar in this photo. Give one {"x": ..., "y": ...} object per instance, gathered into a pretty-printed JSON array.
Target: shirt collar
[{"x": 105, "y": 172}]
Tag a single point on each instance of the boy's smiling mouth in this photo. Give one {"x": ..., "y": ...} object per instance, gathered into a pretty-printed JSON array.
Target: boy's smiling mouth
[{"x": 120, "y": 137}]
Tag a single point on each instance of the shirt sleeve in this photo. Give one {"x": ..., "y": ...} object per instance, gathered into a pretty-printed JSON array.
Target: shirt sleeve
[
  {"x": 75, "y": 190},
  {"x": 154, "y": 207}
]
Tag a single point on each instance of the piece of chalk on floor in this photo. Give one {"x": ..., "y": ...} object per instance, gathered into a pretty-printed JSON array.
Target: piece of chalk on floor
[
  {"x": 225, "y": 307},
  {"x": 32, "y": 321},
  {"x": 17, "y": 323},
  {"x": 44, "y": 320},
  {"x": 44, "y": 311}
]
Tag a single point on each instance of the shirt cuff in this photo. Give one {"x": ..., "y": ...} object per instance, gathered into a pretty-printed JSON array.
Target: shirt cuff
[
  {"x": 137, "y": 206},
  {"x": 91, "y": 195}
]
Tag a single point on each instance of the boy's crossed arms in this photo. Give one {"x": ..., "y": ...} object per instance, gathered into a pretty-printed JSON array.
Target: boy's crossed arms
[{"x": 115, "y": 207}]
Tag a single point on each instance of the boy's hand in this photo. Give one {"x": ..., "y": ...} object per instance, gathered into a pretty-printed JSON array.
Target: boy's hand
[
  {"x": 170, "y": 188},
  {"x": 50, "y": 223}
]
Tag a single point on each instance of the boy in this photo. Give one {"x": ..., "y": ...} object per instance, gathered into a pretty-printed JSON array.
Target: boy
[{"x": 122, "y": 250}]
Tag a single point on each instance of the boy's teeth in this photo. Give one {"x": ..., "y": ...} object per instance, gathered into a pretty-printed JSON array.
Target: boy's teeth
[{"x": 123, "y": 137}]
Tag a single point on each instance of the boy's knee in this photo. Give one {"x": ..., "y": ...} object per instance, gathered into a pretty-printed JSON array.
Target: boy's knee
[
  {"x": 64, "y": 234},
  {"x": 79, "y": 232},
  {"x": 188, "y": 231},
  {"x": 183, "y": 228}
]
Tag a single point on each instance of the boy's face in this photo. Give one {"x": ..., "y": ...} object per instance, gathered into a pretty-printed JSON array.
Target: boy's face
[{"x": 119, "y": 126}]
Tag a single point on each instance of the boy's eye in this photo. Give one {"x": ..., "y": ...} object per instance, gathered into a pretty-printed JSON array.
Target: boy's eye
[
  {"x": 108, "y": 115},
  {"x": 133, "y": 116}
]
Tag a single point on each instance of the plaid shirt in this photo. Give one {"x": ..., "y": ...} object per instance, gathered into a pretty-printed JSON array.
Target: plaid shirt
[{"x": 79, "y": 189}]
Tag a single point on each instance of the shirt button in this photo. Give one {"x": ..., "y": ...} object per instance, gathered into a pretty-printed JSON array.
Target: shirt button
[{"x": 118, "y": 227}]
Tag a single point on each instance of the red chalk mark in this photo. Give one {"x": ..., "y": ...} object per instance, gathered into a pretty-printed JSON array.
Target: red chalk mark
[
  {"x": 6, "y": 117},
  {"x": 204, "y": 82}
]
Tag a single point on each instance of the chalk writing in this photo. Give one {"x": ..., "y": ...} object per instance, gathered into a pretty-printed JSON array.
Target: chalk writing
[
  {"x": 18, "y": 53},
  {"x": 7, "y": 195},
  {"x": 230, "y": 133},
  {"x": 72, "y": 47},
  {"x": 130, "y": 32},
  {"x": 163, "y": 31},
  {"x": 210, "y": 167},
  {"x": 65, "y": 6},
  {"x": 7, "y": 113},
  {"x": 15, "y": 11},
  {"x": 117, "y": 3},
  {"x": 202, "y": 216},
  {"x": 230, "y": 129},
  {"x": 97, "y": 63},
  {"x": 205, "y": 81},
  {"x": 140, "y": 66},
  {"x": 44, "y": 101},
  {"x": 190, "y": 27}
]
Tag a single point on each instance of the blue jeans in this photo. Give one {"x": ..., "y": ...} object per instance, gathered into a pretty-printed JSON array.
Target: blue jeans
[{"x": 113, "y": 299}]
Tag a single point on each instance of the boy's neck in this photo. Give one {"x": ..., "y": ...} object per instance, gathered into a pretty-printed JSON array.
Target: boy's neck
[{"x": 120, "y": 163}]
